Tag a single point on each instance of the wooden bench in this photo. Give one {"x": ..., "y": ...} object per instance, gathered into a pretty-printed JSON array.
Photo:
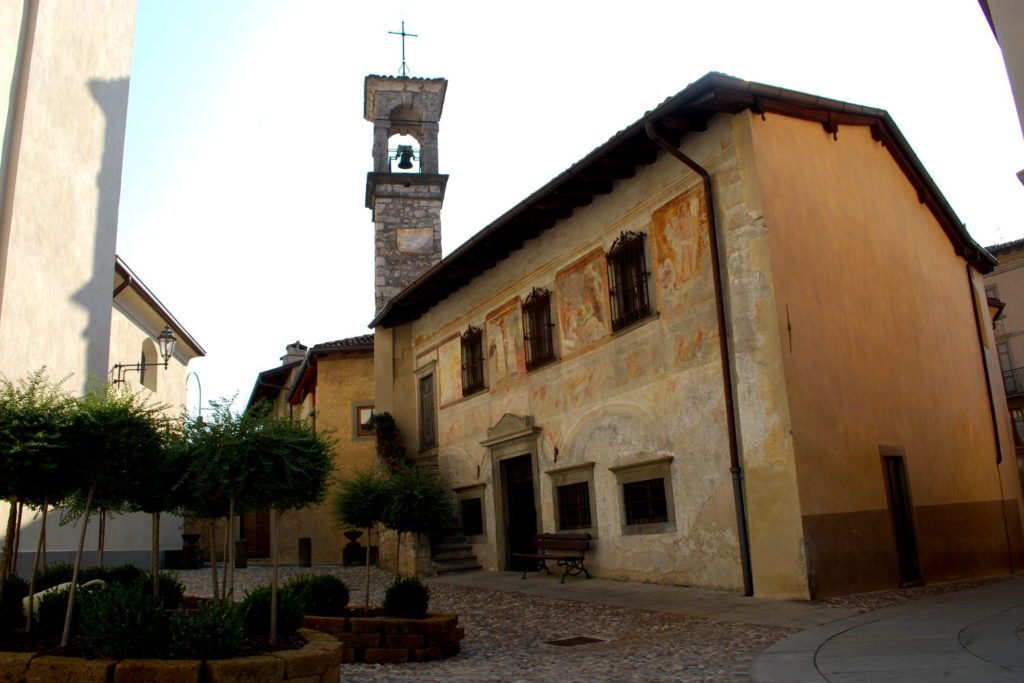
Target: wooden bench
[{"x": 566, "y": 550}]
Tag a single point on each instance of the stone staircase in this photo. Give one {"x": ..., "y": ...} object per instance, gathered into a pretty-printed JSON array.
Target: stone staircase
[{"x": 451, "y": 553}]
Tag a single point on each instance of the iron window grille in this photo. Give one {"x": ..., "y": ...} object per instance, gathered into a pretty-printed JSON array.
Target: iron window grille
[
  {"x": 472, "y": 361},
  {"x": 540, "y": 346},
  {"x": 645, "y": 501},
  {"x": 574, "y": 506},
  {"x": 627, "y": 279}
]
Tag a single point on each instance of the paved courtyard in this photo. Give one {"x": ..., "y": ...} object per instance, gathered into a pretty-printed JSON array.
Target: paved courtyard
[{"x": 641, "y": 632}]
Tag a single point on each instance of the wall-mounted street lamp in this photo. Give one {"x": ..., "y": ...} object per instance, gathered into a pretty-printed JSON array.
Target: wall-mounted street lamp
[{"x": 165, "y": 343}]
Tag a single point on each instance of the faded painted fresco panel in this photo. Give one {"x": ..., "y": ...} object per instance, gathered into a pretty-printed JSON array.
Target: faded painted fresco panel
[
  {"x": 581, "y": 293},
  {"x": 503, "y": 335},
  {"x": 449, "y": 371},
  {"x": 679, "y": 246}
]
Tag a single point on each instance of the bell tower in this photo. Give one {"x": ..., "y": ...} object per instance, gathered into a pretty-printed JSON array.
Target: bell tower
[{"x": 404, "y": 191}]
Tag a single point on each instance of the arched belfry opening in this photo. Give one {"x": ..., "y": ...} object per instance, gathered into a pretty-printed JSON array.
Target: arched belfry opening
[{"x": 404, "y": 190}]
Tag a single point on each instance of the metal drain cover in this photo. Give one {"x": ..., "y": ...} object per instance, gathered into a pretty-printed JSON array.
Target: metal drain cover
[{"x": 575, "y": 640}]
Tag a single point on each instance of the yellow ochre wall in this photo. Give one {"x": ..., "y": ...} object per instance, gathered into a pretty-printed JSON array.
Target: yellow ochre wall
[
  {"x": 880, "y": 348},
  {"x": 343, "y": 379}
]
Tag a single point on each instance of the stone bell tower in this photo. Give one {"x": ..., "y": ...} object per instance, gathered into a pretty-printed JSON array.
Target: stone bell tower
[{"x": 406, "y": 205}]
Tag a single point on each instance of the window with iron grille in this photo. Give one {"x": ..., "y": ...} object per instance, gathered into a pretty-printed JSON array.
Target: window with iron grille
[
  {"x": 472, "y": 517},
  {"x": 540, "y": 346},
  {"x": 574, "y": 506},
  {"x": 645, "y": 501},
  {"x": 627, "y": 279},
  {"x": 428, "y": 424},
  {"x": 472, "y": 361}
]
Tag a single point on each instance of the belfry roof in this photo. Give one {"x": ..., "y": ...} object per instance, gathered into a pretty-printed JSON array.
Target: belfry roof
[{"x": 626, "y": 151}]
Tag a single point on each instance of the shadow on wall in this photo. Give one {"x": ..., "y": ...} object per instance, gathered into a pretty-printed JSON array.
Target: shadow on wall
[{"x": 95, "y": 296}]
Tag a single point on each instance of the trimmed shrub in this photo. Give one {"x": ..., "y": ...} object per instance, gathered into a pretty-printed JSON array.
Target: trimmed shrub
[
  {"x": 15, "y": 588},
  {"x": 54, "y": 575},
  {"x": 211, "y": 632},
  {"x": 322, "y": 595},
  {"x": 256, "y": 612},
  {"x": 407, "y": 598},
  {"x": 172, "y": 590},
  {"x": 51, "y": 610},
  {"x": 126, "y": 574},
  {"x": 123, "y": 622}
]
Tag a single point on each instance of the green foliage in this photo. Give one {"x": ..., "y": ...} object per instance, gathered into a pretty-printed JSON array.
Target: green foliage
[
  {"x": 361, "y": 500},
  {"x": 418, "y": 500},
  {"x": 322, "y": 595},
  {"x": 51, "y": 610},
  {"x": 172, "y": 590},
  {"x": 257, "y": 460},
  {"x": 125, "y": 574},
  {"x": 407, "y": 598},
  {"x": 115, "y": 433},
  {"x": 256, "y": 612},
  {"x": 54, "y": 575},
  {"x": 15, "y": 589},
  {"x": 123, "y": 622},
  {"x": 35, "y": 462},
  {"x": 389, "y": 449},
  {"x": 213, "y": 631}
]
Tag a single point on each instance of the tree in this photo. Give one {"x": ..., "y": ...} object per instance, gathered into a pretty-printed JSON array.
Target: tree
[
  {"x": 34, "y": 465},
  {"x": 113, "y": 433},
  {"x": 360, "y": 502},
  {"x": 417, "y": 501}
]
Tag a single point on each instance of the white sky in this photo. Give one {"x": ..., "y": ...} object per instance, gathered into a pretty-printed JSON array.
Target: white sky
[{"x": 242, "y": 202}]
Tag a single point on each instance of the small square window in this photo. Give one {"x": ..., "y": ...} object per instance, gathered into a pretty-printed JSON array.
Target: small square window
[
  {"x": 472, "y": 516},
  {"x": 645, "y": 501},
  {"x": 574, "y": 506},
  {"x": 364, "y": 427},
  {"x": 627, "y": 280},
  {"x": 540, "y": 345},
  {"x": 472, "y": 361}
]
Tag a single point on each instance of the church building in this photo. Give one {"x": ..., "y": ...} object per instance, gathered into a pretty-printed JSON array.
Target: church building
[{"x": 743, "y": 344}]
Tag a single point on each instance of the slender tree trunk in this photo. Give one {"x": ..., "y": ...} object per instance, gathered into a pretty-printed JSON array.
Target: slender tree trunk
[
  {"x": 213, "y": 559},
  {"x": 40, "y": 549},
  {"x": 154, "y": 560},
  {"x": 74, "y": 575},
  {"x": 369, "y": 529},
  {"x": 274, "y": 526},
  {"x": 42, "y": 533},
  {"x": 102, "y": 536},
  {"x": 5, "y": 563},
  {"x": 398, "y": 555},
  {"x": 229, "y": 573},
  {"x": 17, "y": 540}
]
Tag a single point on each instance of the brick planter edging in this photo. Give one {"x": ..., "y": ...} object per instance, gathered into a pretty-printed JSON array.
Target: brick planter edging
[
  {"x": 318, "y": 661},
  {"x": 378, "y": 639}
]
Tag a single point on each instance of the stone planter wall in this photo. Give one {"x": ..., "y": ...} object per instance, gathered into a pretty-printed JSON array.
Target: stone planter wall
[
  {"x": 318, "y": 662},
  {"x": 388, "y": 640}
]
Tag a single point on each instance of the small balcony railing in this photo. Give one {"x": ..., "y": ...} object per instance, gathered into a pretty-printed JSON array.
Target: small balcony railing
[{"x": 1013, "y": 381}]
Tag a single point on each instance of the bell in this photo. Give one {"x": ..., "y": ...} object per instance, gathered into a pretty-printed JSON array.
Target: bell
[{"x": 405, "y": 155}]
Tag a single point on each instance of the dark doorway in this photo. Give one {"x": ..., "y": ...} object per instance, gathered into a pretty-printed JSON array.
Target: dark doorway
[
  {"x": 902, "y": 520},
  {"x": 255, "y": 529},
  {"x": 520, "y": 508}
]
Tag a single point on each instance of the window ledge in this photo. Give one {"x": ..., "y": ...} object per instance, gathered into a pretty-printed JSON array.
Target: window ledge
[
  {"x": 639, "y": 322},
  {"x": 661, "y": 460},
  {"x": 475, "y": 392},
  {"x": 655, "y": 528}
]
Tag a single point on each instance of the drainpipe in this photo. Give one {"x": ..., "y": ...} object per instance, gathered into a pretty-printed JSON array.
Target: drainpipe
[{"x": 723, "y": 347}]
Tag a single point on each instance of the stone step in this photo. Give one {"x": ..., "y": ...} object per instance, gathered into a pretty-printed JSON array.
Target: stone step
[
  {"x": 454, "y": 555},
  {"x": 450, "y": 547},
  {"x": 449, "y": 568}
]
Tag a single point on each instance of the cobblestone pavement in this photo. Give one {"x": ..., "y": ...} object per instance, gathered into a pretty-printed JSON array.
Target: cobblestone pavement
[{"x": 507, "y": 634}]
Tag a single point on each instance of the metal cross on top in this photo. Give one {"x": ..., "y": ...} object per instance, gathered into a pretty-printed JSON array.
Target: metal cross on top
[{"x": 404, "y": 71}]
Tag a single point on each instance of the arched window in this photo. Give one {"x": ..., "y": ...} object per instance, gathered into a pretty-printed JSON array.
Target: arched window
[{"x": 148, "y": 375}]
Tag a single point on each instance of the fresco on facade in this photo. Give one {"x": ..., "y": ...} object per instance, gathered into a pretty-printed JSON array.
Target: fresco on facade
[
  {"x": 581, "y": 293},
  {"x": 449, "y": 371},
  {"x": 416, "y": 240},
  {"x": 503, "y": 337},
  {"x": 679, "y": 246}
]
